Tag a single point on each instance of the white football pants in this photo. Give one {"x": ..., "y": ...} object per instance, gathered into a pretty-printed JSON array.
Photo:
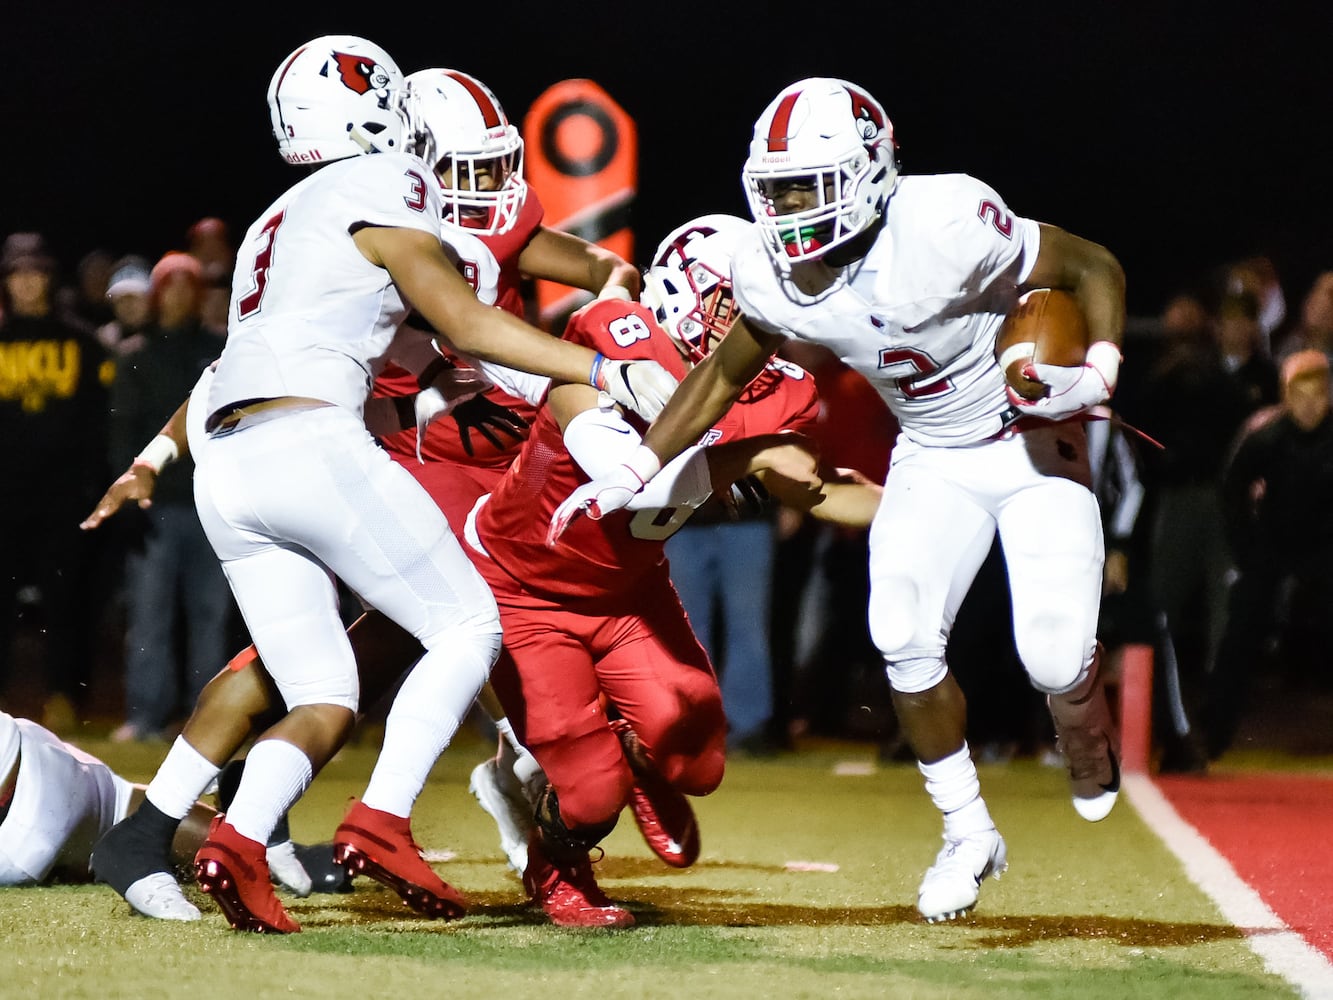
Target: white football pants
[
  {"x": 288, "y": 501},
  {"x": 939, "y": 514}
]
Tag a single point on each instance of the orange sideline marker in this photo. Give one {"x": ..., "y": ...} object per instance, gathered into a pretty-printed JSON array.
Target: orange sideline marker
[{"x": 581, "y": 154}]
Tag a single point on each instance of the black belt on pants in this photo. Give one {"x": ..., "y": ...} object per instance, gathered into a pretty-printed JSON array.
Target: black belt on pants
[{"x": 229, "y": 415}]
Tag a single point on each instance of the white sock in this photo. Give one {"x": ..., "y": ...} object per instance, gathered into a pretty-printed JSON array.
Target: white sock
[
  {"x": 530, "y": 776},
  {"x": 510, "y": 749},
  {"x": 426, "y": 713},
  {"x": 955, "y": 789},
  {"x": 181, "y": 779},
  {"x": 514, "y": 760},
  {"x": 276, "y": 774}
]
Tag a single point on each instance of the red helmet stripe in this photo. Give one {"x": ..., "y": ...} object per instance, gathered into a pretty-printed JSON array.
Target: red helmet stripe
[
  {"x": 283, "y": 75},
  {"x": 777, "y": 132},
  {"x": 490, "y": 114},
  {"x": 678, "y": 244}
]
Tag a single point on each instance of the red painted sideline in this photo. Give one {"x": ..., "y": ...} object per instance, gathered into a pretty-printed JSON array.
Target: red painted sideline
[{"x": 1274, "y": 830}]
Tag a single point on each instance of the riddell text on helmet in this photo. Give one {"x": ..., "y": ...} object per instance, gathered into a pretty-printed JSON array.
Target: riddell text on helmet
[{"x": 309, "y": 157}]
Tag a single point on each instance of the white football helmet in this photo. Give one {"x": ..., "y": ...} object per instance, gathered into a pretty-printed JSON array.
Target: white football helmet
[
  {"x": 688, "y": 286},
  {"x": 335, "y": 97},
  {"x": 834, "y": 135},
  {"x": 459, "y": 124}
]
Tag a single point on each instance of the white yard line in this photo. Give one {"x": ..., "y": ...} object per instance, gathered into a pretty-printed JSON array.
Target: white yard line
[{"x": 1285, "y": 952}]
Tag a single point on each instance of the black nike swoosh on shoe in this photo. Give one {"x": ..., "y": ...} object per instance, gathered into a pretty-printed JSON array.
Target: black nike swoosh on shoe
[{"x": 1114, "y": 784}]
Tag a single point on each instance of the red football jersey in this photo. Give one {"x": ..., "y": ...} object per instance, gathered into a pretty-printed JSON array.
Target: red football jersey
[
  {"x": 597, "y": 559},
  {"x": 443, "y": 442},
  {"x": 508, "y": 246}
]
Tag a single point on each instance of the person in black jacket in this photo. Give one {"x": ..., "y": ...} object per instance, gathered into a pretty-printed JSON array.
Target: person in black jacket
[
  {"x": 1277, "y": 494},
  {"x": 53, "y": 378},
  {"x": 1194, "y": 405},
  {"x": 170, "y": 566}
]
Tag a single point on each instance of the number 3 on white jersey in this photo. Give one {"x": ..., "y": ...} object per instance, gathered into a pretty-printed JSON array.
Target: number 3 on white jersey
[{"x": 249, "y": 303}]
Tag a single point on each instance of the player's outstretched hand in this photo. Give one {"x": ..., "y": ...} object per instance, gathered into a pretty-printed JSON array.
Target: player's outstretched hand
[
  {"x": 136, "y": 484},
  {"x": 641, "y": 386},
  {"x": 611, "y": 492}
]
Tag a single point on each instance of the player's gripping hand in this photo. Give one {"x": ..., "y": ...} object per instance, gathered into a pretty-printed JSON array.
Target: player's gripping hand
[
  {"x": 450, "y": 387},
  {"x": 489, "y": 419},
  {"x": 641, "y": 386},
  {"x": 1072, "y": 390},
  {"x": 602, "y": 496}
]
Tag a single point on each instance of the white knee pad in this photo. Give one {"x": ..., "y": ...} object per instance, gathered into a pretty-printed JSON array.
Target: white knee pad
[
  {"x": 894, "y": 614},
  {"x": 916, "y": 674},
  {"x": 1057, "y": 656},
  {"x": 342, "y": 688},
  {"x": 476, "y": 623},
  {"x": 446, "y": 681}
]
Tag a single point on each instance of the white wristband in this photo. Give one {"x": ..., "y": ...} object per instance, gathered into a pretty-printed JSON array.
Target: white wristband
[
  {"x": 615, "y": 292},
  {"x": 160, "y": 452},
  {"x": 1104, "y": 358},
  {"x": 644, "y": 463},
  {"x": 1013, "y": 352}
]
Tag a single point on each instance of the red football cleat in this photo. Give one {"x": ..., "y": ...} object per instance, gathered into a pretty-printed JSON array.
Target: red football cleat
[
  {"x": 664, "y": 816},
  {"x": 379, "y": 844},
  {"x": 666, "y": 821},
  {"x": 233, "y": 870},
  {"x": 568, "y": 894}
]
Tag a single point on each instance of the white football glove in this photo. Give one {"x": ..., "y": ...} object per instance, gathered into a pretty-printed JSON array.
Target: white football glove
[
  {"x": 641, "y": 386},
  {"x": 1072, "y": 390},
  {"x": 429, "y": 405},
  {"x": 610, "y": 493}
]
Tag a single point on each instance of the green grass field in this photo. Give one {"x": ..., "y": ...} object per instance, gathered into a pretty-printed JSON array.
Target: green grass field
[{"x": 1084, "y": 911}]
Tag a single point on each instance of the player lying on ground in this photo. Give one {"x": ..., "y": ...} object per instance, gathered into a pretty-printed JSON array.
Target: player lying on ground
[{"x": 56, "y": 800}]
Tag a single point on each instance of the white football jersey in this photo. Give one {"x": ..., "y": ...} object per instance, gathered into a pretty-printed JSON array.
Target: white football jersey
[
  {"x": 481, "y": 270},
  {"x": 919, "y": 314},
  {"x": 475, "y": 262},
  {"x": 310, "y": 316},
  {"x": 64, "y": 800}
]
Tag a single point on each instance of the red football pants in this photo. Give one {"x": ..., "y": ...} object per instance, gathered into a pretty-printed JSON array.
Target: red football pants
[{"x": 557, "y": 666}]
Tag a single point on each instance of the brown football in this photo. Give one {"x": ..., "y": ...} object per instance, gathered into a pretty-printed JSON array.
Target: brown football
[{"x": 1046, "y": 326}]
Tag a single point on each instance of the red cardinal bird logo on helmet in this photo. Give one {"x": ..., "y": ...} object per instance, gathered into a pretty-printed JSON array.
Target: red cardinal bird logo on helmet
[
  {"x": 359, "y": 73},
  {"x": 870, "y": 120}
]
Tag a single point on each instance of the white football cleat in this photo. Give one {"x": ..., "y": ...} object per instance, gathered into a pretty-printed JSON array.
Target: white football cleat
[
  {"x": 506, "y": 804},
  {"x": 159, "y": 896},
  {"x": 952, "y": 884},
  {"x": 285, "y": 868},
  {"x": 1093, "y": 798}
]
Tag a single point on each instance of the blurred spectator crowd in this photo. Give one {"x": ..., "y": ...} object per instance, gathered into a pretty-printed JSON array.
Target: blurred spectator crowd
[{"x": 1214, "y": 472}]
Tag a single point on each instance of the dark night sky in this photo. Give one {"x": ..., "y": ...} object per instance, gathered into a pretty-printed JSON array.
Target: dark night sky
[{"x": 1178, "y": 134}]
